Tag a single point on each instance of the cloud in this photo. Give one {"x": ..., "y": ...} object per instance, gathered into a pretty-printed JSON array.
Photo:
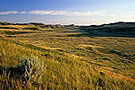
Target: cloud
[
  {"x": 44, "y": 12},
  {"x": 40, "y": 12},
  {"x": 9, "y": 12},
  {"x": 87, "y": 13},
  {"x": 22, "y": 12}
]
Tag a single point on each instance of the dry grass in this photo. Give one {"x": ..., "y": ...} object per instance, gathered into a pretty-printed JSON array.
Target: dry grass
[
  {"x": 117, "y": 76},
  {"x": 68, "y": 66},
  {"x": 88, "y": 46}
]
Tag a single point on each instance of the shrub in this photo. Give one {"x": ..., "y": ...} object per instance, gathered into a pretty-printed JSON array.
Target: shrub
[{"x": 32, "y": 69}]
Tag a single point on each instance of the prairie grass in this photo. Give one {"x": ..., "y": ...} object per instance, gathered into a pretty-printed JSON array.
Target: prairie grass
[{"x": 92, "y": 63}]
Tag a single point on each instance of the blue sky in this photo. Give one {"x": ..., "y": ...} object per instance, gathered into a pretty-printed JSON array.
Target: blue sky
[{"x": 67, "y": 11}]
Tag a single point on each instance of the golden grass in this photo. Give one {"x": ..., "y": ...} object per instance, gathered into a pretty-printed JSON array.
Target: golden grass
[
  {"x": 116, "y": 76},
  {"x": 17, "y": 26},
  {"x": 67, "y": 66},
  {"x": 73, "y": 56},
  {"x": 91, "y": 46},
  {"x": 49, "y": 48}
]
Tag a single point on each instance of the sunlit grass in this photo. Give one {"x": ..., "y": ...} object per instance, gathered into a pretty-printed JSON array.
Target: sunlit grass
[{"x": 94, "y": 63}]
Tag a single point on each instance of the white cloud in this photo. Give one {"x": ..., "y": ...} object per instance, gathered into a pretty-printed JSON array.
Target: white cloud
[
  {"x": 59, "y": 13},
  {"x": 40, "y": 12},
  {"x": 8, "y": 12},
  {"x": 23, "y": 12},
  {"x": 87, "y": 13},
  {"x": 44, "y": 12}
]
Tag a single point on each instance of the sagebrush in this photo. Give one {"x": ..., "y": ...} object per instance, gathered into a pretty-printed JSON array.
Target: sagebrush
[{"x": 32, "y": 69}]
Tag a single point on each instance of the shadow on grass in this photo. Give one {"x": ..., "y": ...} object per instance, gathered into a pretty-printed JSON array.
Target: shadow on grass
[
  {"x": 99, "y": 34},
  {"x": 11, "y": 71},
  {"x": 15, "y": 32},
  {"x": 2, "y": 69},
  {"x": 103, "y": 31},
  {"x": 8, "y": 28}
]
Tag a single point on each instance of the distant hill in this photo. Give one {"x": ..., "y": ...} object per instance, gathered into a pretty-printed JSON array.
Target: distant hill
[
  {"x": 7, "y": 23},
  {"x": 117, "y": 29},
  {"x": 124, "y": 29},
  {"x": 35, "y": 26}
]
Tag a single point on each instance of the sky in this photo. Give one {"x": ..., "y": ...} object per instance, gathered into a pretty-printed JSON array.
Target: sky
[{"x": 83, "y": 12}]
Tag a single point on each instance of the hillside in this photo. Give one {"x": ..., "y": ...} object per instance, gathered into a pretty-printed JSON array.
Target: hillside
[
  {"x": 97, "y": 57},
  {"x": 119, "y": 29}
]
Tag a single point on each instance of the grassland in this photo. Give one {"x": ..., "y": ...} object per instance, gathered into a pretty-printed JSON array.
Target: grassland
[{"x": 76, "y": 59}]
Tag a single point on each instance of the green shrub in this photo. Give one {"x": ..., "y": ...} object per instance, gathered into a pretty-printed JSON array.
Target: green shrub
[{"x": 32, "y": 69}]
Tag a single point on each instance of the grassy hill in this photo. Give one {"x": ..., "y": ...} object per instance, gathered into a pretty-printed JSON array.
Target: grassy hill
[
  {"x": 85, "y": 57},
  {"x": 120, "y": 29}
]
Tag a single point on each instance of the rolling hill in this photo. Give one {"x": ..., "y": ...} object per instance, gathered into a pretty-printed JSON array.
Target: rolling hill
[{"x": 36, "y": 56}]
